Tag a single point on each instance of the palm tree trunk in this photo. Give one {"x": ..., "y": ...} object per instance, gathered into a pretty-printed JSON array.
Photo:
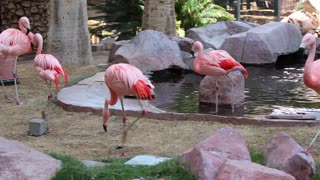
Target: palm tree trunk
[
  {"x": 159, "y": 16},
  {"x": 68, "y": 36}
]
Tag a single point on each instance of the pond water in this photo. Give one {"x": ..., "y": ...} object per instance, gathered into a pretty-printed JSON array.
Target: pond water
[{"x": 265, "y": 88}]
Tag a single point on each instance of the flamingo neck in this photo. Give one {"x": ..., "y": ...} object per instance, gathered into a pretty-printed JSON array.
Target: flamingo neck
[
  {"x": 40, "y": 46},
  {"x": 310, "y": 58},
  {"x": 307, "y": 73},
  {"x": 196, "y": 62},
  {"x": 106, "y": 112},
  {"x": 114, "y": 97},
  {"x": 22, "y": 28}
]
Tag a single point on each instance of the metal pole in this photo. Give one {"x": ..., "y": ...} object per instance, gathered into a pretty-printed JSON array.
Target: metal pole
[
  {"x": 277, "y": 10},
  {"x": 238, "y": 10}
]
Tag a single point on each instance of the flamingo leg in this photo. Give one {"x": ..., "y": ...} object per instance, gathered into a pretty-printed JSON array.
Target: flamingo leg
[
  {"x": 48, "y": 103},
  {"x": 124, "y": 132},
  {"x": 142, "y": 114},
  {"x": 15, "y": 82},
  {"x": 313, "y": 140},
  {"x": 4, "y": 90},
  {"x": 232, "y": 97},
  {"x": 217, "y": 96},
  {"x": 46, "y": 115}
]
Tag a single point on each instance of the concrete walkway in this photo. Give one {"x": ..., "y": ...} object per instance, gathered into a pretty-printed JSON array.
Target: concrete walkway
[{"x": 90, "y": 94}]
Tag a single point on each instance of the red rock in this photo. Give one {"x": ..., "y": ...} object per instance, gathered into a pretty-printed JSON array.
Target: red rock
[
  {"x": 203, "y": 164},
  {"x": 18, "y": 161},
  {"x": 246, "y": 170},
  {"x": 284, "y": 153}
]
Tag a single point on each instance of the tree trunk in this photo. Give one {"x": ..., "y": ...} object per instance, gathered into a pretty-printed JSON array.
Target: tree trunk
[
  {"x": 68, "y": 36},
  {"x": 159, "y": 16}
]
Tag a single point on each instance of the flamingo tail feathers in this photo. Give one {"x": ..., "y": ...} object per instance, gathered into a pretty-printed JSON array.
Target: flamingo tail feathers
[
  {"x": 56, "y": 81},
  {"x": 66, "y": 78},
  {"x": 143, "y": 90},
  {"x": 63, "y": 73},
  {"x": 229, "y": 64}
]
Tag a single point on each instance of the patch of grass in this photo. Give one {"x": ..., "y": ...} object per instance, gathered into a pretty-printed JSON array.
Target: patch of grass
[
  {"x": 257, "y": 156},
  {"x": 74, "y": 169},
  {"x": 71, "y": 168},
  {"x": 317, "y": 174}
]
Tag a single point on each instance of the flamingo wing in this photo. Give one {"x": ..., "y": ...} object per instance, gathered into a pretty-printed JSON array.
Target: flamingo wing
[
  {"x": 49, "y": 62},
  {"x": 125, "y": 79}
]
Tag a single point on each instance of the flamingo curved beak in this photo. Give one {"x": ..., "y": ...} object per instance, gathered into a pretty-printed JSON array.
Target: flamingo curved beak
[
  {"x": 28, "y": 30},
  {"x": 105, "y": 128},
  {"x": 192, "y": 53}
]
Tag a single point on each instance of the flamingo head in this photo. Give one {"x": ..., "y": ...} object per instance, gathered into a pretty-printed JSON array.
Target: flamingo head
[
  {"x": 105, "y": 115},
  {"x": 307, "y": 40},
  {"x": 197, "y": 46},
  {"x": 24, "y": 24}
]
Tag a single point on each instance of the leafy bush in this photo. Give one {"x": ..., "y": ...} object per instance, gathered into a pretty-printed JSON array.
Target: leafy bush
[{"x": 196, "y": 13}]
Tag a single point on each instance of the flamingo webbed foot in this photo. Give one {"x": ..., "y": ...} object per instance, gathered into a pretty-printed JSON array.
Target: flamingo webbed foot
[
  {"x": 122, "y": 154},
  {"x": 143, "y": 112},
  {"x": 50, "y": 96},
  {"x": 20, "y": 103},
  {"x": 124, "y": 120}
]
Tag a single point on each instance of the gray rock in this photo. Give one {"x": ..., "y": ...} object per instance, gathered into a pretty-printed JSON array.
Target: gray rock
[
  {"x": 263, "y": 44},
  {"x": 150, "y": 51},
  {"x": 107, "y": 42},
  {"x": 18, "y": 161},
  {"x": 90, "y": 163},
  {"x": 115, "y": 46},
  {"x": 213, "y": 35},
  {"x": 185, "y": 44},
  {"x": 146, "y": 160}
]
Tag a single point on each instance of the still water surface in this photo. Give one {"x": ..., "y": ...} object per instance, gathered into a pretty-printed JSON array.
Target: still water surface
[{"x": 265, "y": 88}]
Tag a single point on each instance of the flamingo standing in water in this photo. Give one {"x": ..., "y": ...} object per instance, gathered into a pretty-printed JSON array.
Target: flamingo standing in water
[
  {"x": 48, "y": 68},
  {"x": 311, "y": 73},
  {"x": 125, "y": 79},
  {"x": 13, "y": 43},
  {"x": 215, "y": 63}
]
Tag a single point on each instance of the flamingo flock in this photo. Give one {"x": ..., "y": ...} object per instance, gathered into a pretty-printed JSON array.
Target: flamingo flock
[{"x": 124, "y": 79}]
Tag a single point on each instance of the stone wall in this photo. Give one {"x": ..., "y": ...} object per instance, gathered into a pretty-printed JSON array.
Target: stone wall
[{"x": 36, "y": 10}]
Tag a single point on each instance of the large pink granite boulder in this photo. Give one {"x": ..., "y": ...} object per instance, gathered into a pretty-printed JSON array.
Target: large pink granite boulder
[
  {"x": 229, "y": 141},
  {"x": 206, "y": 158},
  {"x": 246, "y": 170},
  {"x": 18, "y": 161},
  {"x": 284, "y": 153},
  {"x": 228, "y": 92},
  {"x": 203, "y": 164}
]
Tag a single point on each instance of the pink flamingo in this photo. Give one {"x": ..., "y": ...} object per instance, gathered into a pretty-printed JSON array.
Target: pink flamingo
[
  {"x": 215, "y": 63},
  {"x": 48, "y": 68},
  {"x": 125, "y": 79},
  {"x": 311, "y": 73},
  {"x": 14, "y": 43}
]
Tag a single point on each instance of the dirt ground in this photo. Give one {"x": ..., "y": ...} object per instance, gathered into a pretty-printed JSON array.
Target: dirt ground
[{"x": 81, "y": 134}]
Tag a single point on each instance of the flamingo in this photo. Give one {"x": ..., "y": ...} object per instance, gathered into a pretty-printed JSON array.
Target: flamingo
[
  {"x": 48, "y": 68},
  {"x": 311, "y": 74},
  {"x": 125, "y": 79},
  {"x": 215, "y": 63},
  {"x": 14, "y": 43}
]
